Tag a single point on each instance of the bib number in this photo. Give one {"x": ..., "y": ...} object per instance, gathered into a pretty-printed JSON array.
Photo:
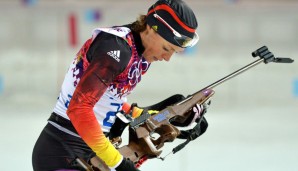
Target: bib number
[{"x": 111, "y": 114}]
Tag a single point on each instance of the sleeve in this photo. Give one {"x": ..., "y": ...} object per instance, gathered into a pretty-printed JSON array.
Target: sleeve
[{"x": 103, "y": 68}]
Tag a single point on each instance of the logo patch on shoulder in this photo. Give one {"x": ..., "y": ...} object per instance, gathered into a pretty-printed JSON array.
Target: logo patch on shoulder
[{"x": 115, "y": 54}]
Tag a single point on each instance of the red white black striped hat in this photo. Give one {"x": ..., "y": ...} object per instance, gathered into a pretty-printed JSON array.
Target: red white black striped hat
[{"x": 175, "y": 21}]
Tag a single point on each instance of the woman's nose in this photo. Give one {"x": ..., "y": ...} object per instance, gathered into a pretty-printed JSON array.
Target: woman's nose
[{"x": 167, "y": 56}]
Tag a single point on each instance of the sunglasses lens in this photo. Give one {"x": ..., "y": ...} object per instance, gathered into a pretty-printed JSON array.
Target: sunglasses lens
[{"x": 185, "y": 41}]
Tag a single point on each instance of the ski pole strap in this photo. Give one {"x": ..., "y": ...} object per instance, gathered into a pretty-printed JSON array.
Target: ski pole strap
[
  {"x": 180, "y": 146},
  {"x": 195, "y": 132},
  {"x": 192, "y": 134}
]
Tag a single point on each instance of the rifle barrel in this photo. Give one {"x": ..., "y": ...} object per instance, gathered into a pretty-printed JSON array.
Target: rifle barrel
[{"x": 232, "y": 75}]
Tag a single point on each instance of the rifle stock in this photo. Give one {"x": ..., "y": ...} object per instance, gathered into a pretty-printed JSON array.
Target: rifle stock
[{"x": 142, "y": 144}]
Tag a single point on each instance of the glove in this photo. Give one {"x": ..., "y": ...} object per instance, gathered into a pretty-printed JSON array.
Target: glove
[
  {"x": 134, "y": 111},
  {"x": 126, "y": 165},
  {"x": 200, "y": 110}
]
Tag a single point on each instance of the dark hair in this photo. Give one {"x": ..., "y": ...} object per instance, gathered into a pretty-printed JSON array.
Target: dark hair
[{"x": 140, "y": 24}]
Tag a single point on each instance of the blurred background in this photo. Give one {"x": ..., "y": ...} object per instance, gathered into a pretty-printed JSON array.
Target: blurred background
[{"x": 252, "y": 118}]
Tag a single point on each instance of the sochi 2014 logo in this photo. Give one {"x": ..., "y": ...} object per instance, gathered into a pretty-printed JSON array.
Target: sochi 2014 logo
[{"x": 137, "y": 69}]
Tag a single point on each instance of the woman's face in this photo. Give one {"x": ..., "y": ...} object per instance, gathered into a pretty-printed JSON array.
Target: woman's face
[{"x": 156, "y": 47}]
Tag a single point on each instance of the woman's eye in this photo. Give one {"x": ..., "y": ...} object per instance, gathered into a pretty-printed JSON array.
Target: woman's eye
[{"x": 164, "y": 48}]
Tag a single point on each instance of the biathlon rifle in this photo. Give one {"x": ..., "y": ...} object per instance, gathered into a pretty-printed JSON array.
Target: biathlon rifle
[{"x": 142, "y": 145}]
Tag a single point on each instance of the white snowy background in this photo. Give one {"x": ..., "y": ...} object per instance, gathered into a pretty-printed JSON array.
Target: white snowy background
[{"x": 252, "y": 119}]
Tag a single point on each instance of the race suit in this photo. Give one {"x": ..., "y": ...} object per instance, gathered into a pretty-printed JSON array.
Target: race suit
[{"x": 105, "y": 70}]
